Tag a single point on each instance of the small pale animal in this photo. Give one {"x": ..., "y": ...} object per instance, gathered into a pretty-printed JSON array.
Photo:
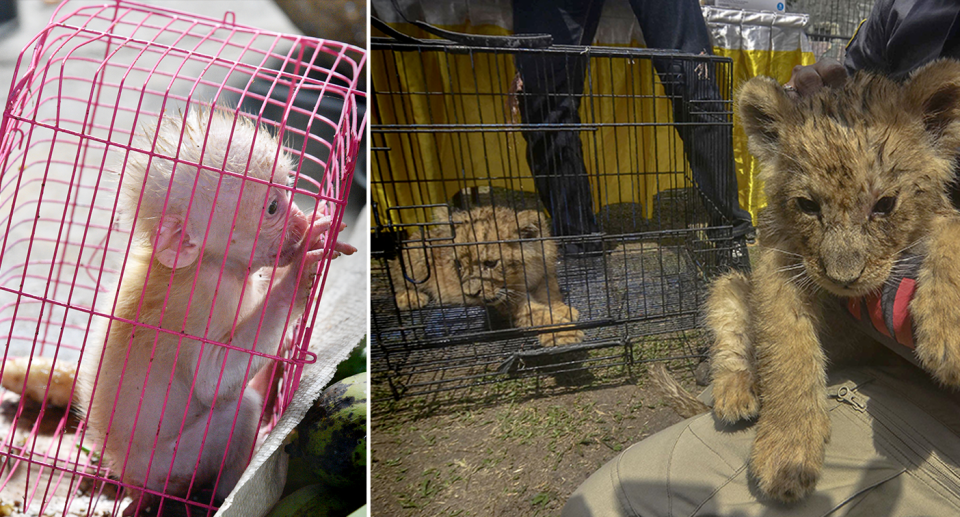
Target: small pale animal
[
  {"x": 854, "y": 177},
  {"x": 221, "y": 265},
  {"x": 488, "y": 256}
]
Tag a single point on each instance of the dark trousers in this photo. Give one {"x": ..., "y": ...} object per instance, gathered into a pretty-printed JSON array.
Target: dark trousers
[{"x": 553, "y": 86}]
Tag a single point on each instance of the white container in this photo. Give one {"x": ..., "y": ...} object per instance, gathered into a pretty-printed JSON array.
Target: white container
[{"x": 754, "y": 5}]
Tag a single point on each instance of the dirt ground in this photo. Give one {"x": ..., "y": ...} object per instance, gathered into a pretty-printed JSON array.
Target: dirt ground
[{"x": 508, "y": 449}]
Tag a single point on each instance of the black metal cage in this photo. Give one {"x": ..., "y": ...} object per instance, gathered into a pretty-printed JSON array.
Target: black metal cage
[
  {"x": 832, "y": 23},
  {"x": 608, "y": 169}
]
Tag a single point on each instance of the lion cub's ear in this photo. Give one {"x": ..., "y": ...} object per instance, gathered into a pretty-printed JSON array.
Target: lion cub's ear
[
  {"x": 530, "y": 223},
  {"x": 934, "y": 91},
  {"x": 764, "y": 110}
]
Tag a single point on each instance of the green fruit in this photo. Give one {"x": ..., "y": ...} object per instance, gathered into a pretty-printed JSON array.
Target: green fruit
[{"x": 332, "y": 439}]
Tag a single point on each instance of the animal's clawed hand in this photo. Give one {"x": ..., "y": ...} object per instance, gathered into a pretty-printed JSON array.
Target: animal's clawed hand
[{"x": 316, "y": 240}]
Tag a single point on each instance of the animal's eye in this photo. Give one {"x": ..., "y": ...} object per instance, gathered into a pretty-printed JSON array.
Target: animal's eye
[
  {"x": 274, "y": 206},
  {"x": 808, "y": 206},
  {"x": 490, "y": 264},
  {"x": 885, "y": 205},
  {"x": 456, "y": 262}
]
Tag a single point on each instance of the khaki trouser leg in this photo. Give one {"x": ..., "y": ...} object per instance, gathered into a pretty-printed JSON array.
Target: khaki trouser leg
[{"x": 897, "y": 457}]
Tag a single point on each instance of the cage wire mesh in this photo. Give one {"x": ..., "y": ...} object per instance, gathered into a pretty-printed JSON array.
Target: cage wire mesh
[
  {"x": 93, "y": 79},
  {"x": 478, "y": 276},
  {"x": 832, "y": 23}
]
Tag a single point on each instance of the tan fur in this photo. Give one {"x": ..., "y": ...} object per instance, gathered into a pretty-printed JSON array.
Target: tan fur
[
  {"x": 164, "y": 398},
  {"x": 733, "y": 365},
  {"x": 675, "y": 395},
  {"x": 494, "y": 257},
  {"x": 853, "y": 177}
]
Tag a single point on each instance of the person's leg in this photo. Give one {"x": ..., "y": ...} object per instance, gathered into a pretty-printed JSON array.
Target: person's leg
[
  {"x": 895, "y": 450},
  {"x": 551, "y": 91},
  {"x": 705, "y": 128}
]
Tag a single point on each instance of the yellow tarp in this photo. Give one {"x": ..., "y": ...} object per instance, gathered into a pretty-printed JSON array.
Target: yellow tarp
[
  {"x": 768, "y": 44},
  {"x": 444, "y": 101},
  {"x": 473, "y": 91}
]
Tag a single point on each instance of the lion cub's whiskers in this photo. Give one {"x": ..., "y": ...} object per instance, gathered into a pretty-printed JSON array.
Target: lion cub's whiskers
[
  {"x": 785, "y": 252},
  {"x": 790, "y": 267}
]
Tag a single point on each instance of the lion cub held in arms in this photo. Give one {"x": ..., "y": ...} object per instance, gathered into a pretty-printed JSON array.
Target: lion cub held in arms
[
  {"x": 854, "y": 177},
  {"x": 484, "y": 258}
]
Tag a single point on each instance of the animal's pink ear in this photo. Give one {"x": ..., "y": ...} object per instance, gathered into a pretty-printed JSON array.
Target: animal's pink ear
[{"x": 174, "y": 247}]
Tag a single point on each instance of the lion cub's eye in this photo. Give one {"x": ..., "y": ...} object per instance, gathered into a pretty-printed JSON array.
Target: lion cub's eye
[
  {"x": 490, "y": 264},
  {"x": 458, "y": 265},
  {"x": 885, "y": 205},
  {"x": 808, "y": 206}
]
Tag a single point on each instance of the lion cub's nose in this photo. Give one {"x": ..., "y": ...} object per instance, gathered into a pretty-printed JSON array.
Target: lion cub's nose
[{"x": 844, "y": 276}]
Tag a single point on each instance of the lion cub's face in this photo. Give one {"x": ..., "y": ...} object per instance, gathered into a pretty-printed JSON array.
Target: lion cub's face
[
  {"x": 492, "y": 262},
  {"x": 853, "y": 176}
]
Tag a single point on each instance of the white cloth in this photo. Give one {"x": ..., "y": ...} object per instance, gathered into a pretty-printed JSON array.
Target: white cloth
[{"x": 341, "y": 324}]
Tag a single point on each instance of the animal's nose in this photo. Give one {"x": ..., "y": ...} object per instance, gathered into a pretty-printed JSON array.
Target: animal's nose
[{"x": 844, "y": 274}]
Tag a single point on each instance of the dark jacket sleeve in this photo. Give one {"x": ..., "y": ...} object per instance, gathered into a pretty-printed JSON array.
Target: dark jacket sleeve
[{"x": 901, "y": 35}]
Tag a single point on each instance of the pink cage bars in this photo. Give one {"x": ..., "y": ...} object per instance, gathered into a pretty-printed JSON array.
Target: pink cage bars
[{"x": 95, "y": 78}]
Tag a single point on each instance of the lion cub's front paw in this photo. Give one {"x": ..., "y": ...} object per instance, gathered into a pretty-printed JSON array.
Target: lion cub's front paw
[
  {"x": 562, "y": 313},
  {"x": 410, "y": 299},
  {"x": 567, "y": 337},
  {"x": 735, "y": 396},
  {"x": 787, "y": 465}
]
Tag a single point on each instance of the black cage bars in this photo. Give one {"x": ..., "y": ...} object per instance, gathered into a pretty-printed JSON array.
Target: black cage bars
[{"x": 542, "y": 211}]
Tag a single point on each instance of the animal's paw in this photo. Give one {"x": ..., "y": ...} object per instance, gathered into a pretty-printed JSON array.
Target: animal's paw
[
  {"x": 735, "y": 396},
  {"x": 567, "y": 337},
  {"x": 787, "y": 463},
  {"x": 557, "y": 314},
  {"x": 317, "y": 241},
  {"x": 410, "y": 299}
]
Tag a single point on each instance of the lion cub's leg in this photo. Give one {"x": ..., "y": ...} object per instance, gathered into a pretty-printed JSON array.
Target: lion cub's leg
[
  {"x": 407, "y": 295},
  {"x": 934, "y": 305},
  {"x": 534, "y": 313},
  {"x": 408, "y": 299},
  {"x": 732, "y": 360},
  {"x": 793, "y": 428}
]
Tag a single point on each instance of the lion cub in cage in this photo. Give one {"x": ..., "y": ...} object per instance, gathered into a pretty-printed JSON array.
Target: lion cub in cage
[
  {"x": 488, "y": 256},
  {"x": 854, "y": 177}
]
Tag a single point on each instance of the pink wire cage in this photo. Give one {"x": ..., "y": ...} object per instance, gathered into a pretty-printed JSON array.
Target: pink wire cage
[{"x": 84, "y": 88}]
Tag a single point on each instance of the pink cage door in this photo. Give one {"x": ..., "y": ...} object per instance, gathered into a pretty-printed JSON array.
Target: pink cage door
[{"x": 95, "y": 96}]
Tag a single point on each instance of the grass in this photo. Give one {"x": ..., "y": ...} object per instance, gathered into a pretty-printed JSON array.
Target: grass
[{"x": 511, "y": 448}]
